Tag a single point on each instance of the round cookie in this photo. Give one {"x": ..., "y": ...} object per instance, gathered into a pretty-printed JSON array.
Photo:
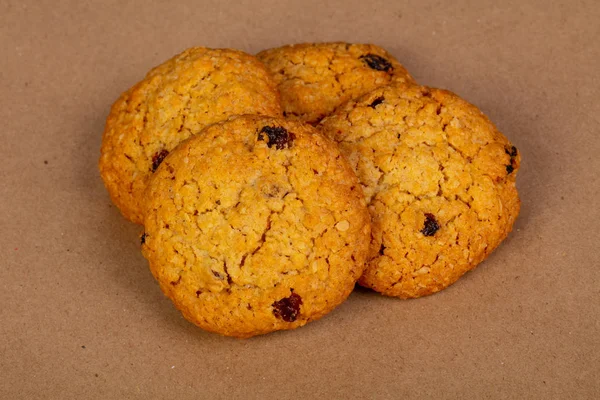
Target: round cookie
[
  {"x": 315, "y": 78},
  {"x": 255, "y": 225},
  {"x": 196, "y": 88},
  {"x": 439, "y": 179}
]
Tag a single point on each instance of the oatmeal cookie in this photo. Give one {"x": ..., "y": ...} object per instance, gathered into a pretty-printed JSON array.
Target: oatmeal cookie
[
  {"x": 315, "y": 78},
  {"x": 255, "y": 225},
  {"x": 194, "y": 89},
  {"x": 439, "y": 180}
]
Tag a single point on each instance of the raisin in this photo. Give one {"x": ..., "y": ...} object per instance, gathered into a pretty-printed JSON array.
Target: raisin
[
  {"x": 143, "y": 238},
  {"x": 158, "y": 158},
  {"x": 430, "y": 226},
  {"x": 512, "y": 152},
  {"x": 377, "y": 62},
  {"x": 288, "y": 308},
  {"x": 377, "y": 102},
  {"x": 381, "y": 249},
  {"x": 278, "y": 136}
]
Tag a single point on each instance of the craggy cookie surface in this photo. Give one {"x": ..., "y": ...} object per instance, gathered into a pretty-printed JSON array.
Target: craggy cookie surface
[
  {"x": 177, "y": 99},
  {"x": 315, "y": 78},
  {"x": 439, "y": 179},
  {"x": 255, "y": 225}
]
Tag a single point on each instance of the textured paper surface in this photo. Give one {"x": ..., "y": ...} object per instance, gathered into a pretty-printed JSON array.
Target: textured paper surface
[{"x": 81, "y": 316}]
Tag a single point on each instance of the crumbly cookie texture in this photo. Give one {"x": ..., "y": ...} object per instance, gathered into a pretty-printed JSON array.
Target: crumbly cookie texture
[
  {"x": 439, "y": 179},
  {"x": 196, "y": 88},
  {"x": 255, "y": 225},
  {"x": 315, "y": 78}
]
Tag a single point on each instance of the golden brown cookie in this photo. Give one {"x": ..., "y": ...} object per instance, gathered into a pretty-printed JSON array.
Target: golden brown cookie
[
  {"x": 255, "y": 225},
  {"x": 315, "y": 78},
  {"x": 439, "y": 179},
  {"x": 177, "y": 99}
]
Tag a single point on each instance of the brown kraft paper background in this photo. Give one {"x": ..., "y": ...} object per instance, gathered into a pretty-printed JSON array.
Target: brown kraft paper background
[{"x": 82, "y": 318}]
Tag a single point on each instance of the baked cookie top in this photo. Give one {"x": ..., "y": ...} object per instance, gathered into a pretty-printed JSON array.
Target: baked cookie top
[
  {"x": 439, "y": 179},
  {"x": 194, "y": 89},
  {"x": 315, "y": 78},
  {"x": 255, "y": 225}
]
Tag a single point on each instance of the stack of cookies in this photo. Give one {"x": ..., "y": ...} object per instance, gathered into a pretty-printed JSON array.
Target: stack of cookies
[{"x": 268, "y": 186}]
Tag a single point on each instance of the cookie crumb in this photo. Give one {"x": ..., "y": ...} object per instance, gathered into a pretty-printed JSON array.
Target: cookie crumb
[
  {"x": 377, "y": 62},
  {"x": 431, "y": 226},
  {"x": 342, "y": 226},
  {"x": 158, "y": 158},
  {"x": 421, "y": 271},
  {"x": 278, "y": 136},
  {"x": 46, "y": 162},
  {"x": 288, "y": 308},
  {"x": 377, "y": 102}
]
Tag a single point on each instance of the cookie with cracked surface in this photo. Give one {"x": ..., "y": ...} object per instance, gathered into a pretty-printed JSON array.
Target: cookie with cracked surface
[
  {"x": 439, "y": 179},
  {"x": 255, "y": 225},
  {"x": 315, "y": 78},
  {"x": 196, "y": 88}
]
